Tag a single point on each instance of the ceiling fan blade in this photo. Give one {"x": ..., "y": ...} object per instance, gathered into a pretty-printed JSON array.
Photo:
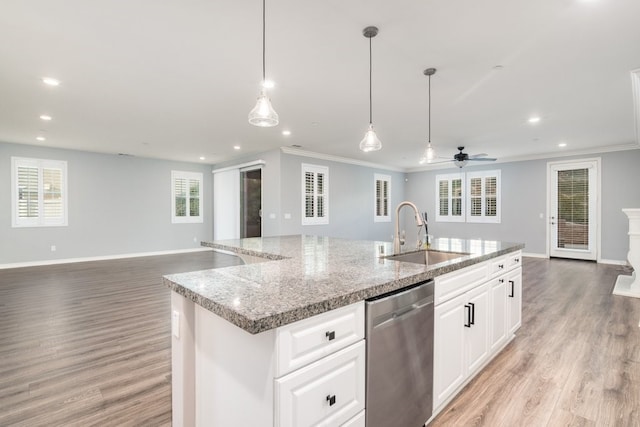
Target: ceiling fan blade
[
  {"x": 438, "y": 161},
  {"x": 483, "y": 159},
  {"x": 473, "y": 156}
]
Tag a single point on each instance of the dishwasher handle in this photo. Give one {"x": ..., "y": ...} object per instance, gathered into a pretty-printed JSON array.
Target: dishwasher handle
[{"x": 397, "y": 315}]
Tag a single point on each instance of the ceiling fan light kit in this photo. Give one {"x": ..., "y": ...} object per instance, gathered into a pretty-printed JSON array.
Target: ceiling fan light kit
[
  {"x": 263, "y": 114},
  {"x": 370, "y": 142}
]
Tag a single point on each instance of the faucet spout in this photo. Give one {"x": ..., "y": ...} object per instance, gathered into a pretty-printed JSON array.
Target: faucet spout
[{"x": 396, "y": 235}]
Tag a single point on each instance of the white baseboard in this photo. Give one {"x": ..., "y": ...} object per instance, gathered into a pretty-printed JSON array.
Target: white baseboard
[
  {"x": 534, "y": 255},
  {"x": 99, "y": 258},
  {"x": 602, "y": 261},
  {"x": 612, "y": 261}
]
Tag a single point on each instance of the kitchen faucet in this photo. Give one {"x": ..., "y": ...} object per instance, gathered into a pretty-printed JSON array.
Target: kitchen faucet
[{"x": 396, "y": 235}]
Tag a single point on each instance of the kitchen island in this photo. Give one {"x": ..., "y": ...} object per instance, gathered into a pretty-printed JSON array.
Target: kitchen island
[{"x": 236, "y": 330}]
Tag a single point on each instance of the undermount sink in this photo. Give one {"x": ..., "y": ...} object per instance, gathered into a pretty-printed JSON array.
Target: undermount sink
[{"x": 427, "y": 257}]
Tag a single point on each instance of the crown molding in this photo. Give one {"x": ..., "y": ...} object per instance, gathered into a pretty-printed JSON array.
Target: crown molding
[{"x": 332, "y": 158}]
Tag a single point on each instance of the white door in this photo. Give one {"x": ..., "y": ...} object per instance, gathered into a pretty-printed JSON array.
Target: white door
[
  {"x": 573, "y": 201},
  {"x": 226, "y": 204}
]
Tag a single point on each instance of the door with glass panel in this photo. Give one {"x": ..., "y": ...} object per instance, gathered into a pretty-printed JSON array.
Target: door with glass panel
[{"x": 573, "y": 209}]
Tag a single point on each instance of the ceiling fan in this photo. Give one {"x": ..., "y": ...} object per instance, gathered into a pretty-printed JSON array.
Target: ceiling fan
[{"x": 460, "y": 159}]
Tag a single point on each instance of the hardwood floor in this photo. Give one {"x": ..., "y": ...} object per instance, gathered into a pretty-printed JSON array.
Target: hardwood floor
[
  {"x": 574, "y": 362},
  {"x": 89, "y": 344}
]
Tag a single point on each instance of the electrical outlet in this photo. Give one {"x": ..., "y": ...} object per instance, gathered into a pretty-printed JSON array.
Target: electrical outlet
[
  {"x": 175, "y": 323},
  {"x": 53, "y": 248},
  {"x": 287, "y": 216},
  {"x": 195, "y": 240}
]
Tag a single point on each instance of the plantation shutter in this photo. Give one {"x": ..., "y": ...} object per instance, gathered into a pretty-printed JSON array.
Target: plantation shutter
[
  {"x": 315, "y": 195},
  {"x": 28, "y": 204}
]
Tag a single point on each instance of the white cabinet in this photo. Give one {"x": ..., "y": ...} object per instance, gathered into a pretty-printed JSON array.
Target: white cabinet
[
  {"x": 328, "y": 392},
  {"x": 498, "y": 297},
  {"x": 477, "y": 311},
  {"x": 514, "y": 300},
  {"x": 462, "y": 327}
]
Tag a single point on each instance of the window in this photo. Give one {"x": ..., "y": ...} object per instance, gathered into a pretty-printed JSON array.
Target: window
[
  {"x": 315, "y": 194},
  {"x": 484, "y": 196},
  {"x": 449, "y": 197},
  {"x": 39, "y": 192},
  {"x": 382, "y": 197},
  {"x": 186, "y": 197}
]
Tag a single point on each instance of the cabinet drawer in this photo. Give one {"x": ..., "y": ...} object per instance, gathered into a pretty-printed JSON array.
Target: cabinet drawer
[
  {"x": 498, "y": 266},
  {"x": 328, "y": 392},
  {"x": 308, "y": 340},
  {"x": 514, "y": 260},
  {"x": 458, "y": 282}
]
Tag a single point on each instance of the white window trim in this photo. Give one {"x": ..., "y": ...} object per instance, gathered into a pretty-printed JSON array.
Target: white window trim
[
  {"x": 450, "y": 178},
  {"x": 381, "y": 218},
  {"x": 188, "y": 219},
  {"x": 316, "y": 169},
  {"x": 483, "y": 218},
  {"x": 40, "y": 220}
]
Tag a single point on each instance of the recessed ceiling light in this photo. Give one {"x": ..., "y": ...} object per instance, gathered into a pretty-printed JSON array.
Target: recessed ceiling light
[
  {"x": 268, "y": 84},
  {"x": 41, "y": 138},
  {"x": 286, "y": 132},
  {"x": 50, "y": 81},
  {"x": 236, "y": 147},
  {"x": 202, "y": 157},
  {"x": 562, "y": 144},
  {"x": 45, "y": 117},
  {"x": 534, "y": 119}
]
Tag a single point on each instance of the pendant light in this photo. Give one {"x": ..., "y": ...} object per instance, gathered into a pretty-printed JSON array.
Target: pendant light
[
  {"x": 263, "y": 114},
  {"x": 429, "y": 153},
  {"x": 370, "y": 142}
]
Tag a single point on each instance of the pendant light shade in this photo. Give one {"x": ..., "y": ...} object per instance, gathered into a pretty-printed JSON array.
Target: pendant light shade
[
  {"x": 370, "y": 142},
  {"x": 263, "y": 114},
  {"x": 429, "y": 153}
]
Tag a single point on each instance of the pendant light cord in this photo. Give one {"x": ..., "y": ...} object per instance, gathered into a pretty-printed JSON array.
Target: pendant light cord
[
  {"x": 263, "y": 41},
  {"x": 370, "y": 74},
  {"x": 429, "y": 109}
]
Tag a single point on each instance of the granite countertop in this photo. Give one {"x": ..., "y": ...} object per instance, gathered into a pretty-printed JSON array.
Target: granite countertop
[{"x": 302, "y": 276}]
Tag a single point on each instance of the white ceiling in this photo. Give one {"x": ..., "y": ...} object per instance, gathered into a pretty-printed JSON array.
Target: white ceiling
[{"x": 176, "y": 79}]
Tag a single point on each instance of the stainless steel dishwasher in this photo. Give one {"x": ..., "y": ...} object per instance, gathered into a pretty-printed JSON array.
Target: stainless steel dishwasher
[{"x": 400, "y": 357}]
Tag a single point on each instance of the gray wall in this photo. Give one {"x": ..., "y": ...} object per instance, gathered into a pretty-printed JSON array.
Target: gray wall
[
  {"x": 117, "y": 205},
  {"x": 351, "y": 199},
  {"x": 524, "y": 198}
]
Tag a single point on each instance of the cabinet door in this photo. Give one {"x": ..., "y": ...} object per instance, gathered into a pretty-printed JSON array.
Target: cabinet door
[
  {"x": 328, "y": 392},
  {"x": 449, "y": 339},
  {"x": 514, "y": 300},
  {"x": 498, "y": 335},
  {"x": 478, "y": 334}
]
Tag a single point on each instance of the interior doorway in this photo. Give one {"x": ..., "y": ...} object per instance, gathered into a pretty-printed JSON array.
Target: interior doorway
[
  {"x": 574, "y": 209},
  {"x": 251, "y": 203}
]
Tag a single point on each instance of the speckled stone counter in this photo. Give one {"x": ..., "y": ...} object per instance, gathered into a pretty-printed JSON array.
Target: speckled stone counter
[{"x": 302, "y": 276}]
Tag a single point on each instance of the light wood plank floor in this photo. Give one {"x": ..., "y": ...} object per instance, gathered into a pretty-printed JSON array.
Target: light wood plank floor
[
  {"x": 88, "y": 344},
  {"x": 574, "y": 362}
]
